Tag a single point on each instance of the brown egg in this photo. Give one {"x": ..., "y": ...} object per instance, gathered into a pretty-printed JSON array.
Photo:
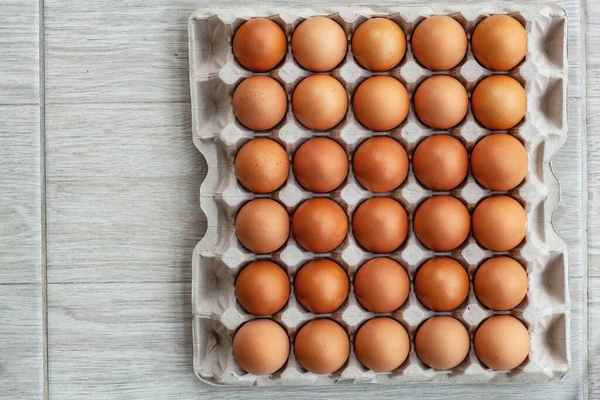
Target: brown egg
[
  {"x": 261, "y": 347},
  {"x": 320, "y": 165},
  {"x": 442, "y": 223},
  {"x": 499, "y": 162},
  {"x": 440, "y": 162},
  {"x": 321, "y": 346},
  {"x": 321, "y": 286},
  {"x": 259, "y": 44},
  {"x": 262, "y": 288},
  {"x": 382, "y": 344},
  {"x": 499, "y": 223},
  {"x": 500, "y": 283},
  {"x": 320, "y": 102},
  {"x": 381, "y": 103},
  {"x": 381, "y": 285},
  {"x": 442, "y": 342},
  {"x": 380, "y": 164},
  {"x": 319, "y": 225},
  {"x": 439, "y": 43},
  {"x": 499, "y": 42},
  {"x": 441, "y": 102},
  {"x": 319, "y": 44},
  {"x": 380, "y": 225},
  {"x": 259, "y": 103},
  {"x": 442, "y": 284},
  {"x": 502, "y": 342},
  {"x": 262, "y": 225},
  {"x": 262, "y": 165},
  {"x": 378, "y": 44},
  {"x": 499, "y": 102}
]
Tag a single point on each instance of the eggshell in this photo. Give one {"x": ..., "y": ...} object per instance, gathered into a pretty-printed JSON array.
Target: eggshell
[
  {"x": 502, "y": 342},
  {"x": 320, "y": 165},
  {"x": 500, "y": 283},
  {"x": 442, "y": 342},
  {"x": 442, "y": 223},
  {"x": 380, "y": 164},
  {"x": 499, "y": 102},
  {"x": 259, "y": 44},
  {"x": 499, "y": 162},
  {"x": 499, "y": 42},
  {"x": 442, "y": 284},
  {"x": 262, "y": 225},
  {"x": 262, "y": 165},
  {"x": 381, "y": 103},
  {"x": 441, "y": 102},
  {"x": 322, "y": 346},
  {"x": 381, "y": 344},
  {"x": 319, "y": 44},
  {"x": 319, "y": 102},
  {"x": 499, "y": 223},
  {"x": 261, "y": 347},
  {"x": 321, "y": 286},
  {"x": 378, "y": 44},
  {"x": 262, "y": 288},
  {"x": 319, "y": 225},
  {"x": 440, "y": 162},
  {"x": 259, "y": 102},
  {"x": 380, "y": 225},
  {"x": 439, "y": 43},
  {"x": 381, "y": 285}
]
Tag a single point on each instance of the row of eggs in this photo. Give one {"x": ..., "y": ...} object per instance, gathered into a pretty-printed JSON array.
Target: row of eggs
[
  {"x": 380, "y": 164},
  {"x": 319, "y": 44},
  {"x": 382, "y": 344},
  {"x": 381, "y": 285},
  {"x": 380, "y": 224},
  {"x": 380, "y": 103}
]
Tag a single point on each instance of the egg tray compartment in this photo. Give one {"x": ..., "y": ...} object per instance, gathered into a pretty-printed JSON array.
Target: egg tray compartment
[{"x": 219, "y": 256}]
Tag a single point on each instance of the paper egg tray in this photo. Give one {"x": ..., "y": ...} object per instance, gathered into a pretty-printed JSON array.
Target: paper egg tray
[{"x": 217, "y": 259}]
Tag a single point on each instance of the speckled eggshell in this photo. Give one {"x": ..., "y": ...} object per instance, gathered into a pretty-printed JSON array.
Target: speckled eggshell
[{"x": 259, "y": 102}]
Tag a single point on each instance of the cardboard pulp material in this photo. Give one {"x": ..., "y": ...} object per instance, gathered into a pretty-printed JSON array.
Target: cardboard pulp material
[{"x": 214, "y": 73}]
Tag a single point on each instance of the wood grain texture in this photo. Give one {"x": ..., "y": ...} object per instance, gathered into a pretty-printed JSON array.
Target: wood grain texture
[
  {"x": 593, "y": 185},
  {"x": 133, "y": 341},
  {"x": 593, "y": 139},
  {"x": 593, "y": 166},
  {"x": 19, "y": 52},
  {"x": 20, "y": 230},
  {"x": 116, "y": 51},
  {"x": 122, "y": 193},
  {"x": 21, "y": 353},
  {"x": 567, "y": 165},
  {"x": 131, "y": 51},
  {"x": 594, "y": 337}
]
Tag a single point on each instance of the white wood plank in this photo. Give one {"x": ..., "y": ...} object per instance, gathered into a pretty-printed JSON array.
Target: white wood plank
[
  {"x": 19, "y": 52},
  {"x": 592, "y": 38},
  {"x": 594, "y": 338},
  {"x": 130, "y": 51},
  {"x": 20, "y": 226},
  {"x": 593, "y": 167},
  {"x": 21, "y": 342},
  {"x": 132, "y": 341},
  {"x": 109, "y": 51},
  {"x": 567, "y": 165},
  {"x": 122, "y": 193}
]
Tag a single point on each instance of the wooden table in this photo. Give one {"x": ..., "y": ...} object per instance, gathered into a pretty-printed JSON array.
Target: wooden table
[{"x": 99, "y": 207}]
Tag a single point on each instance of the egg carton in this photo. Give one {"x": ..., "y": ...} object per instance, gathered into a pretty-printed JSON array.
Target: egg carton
[{"x": 217, "y": 259}]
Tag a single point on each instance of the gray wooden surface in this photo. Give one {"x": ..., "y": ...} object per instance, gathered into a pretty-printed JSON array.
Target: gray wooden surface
[{"x": 99, "y": 208}]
